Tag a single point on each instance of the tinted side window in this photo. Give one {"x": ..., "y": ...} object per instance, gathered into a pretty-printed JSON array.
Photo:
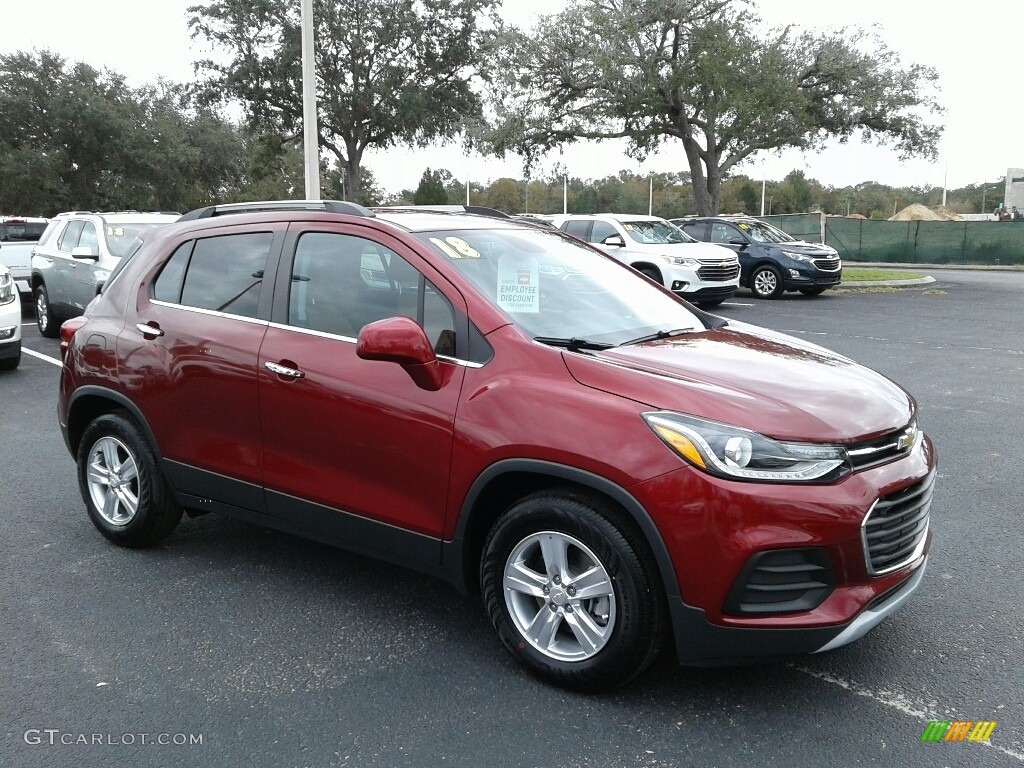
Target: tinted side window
[
  {"x": 69, "y": 239},
  {"x": 88, "y": 238},
  {"x": 696, "y": 229},
  {"x": 341, "y": 282},
  {"x": 577, "y": 228},
  {"x": 168, "y": 285},
  {"x": 723, "y": 233},
  {"x": 601, "y": 230},
  {"x": 226, "y": 272}
]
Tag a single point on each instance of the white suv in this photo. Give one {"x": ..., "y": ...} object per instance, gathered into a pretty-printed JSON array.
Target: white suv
[
  {"x": 10, "y": 322},
  {"x": 75, "y": 257},
  {"x": 702, "y": 273}
]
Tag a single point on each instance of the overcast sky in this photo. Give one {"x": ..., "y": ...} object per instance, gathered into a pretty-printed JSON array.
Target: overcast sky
[{"x": 975, "y": 49}]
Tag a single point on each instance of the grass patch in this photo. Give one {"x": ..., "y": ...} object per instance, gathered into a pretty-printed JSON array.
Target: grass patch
[
  {"x": 870, "y": 289},
  {"x": 935, "y": 292},
  {"x": 857, "y": 274}
]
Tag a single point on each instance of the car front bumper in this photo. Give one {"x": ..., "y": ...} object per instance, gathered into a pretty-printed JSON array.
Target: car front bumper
[{"x": 717, "y": 530}]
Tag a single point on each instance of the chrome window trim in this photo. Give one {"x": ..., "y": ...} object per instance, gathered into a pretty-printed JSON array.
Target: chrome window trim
[
  {"x": 211, "y": 312},
  {"x": 352, "y": 340}
]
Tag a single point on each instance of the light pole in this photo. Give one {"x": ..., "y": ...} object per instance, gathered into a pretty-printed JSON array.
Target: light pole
[
  {"x": 984, "y": 192},
  {"x": 310, "y": 132}
]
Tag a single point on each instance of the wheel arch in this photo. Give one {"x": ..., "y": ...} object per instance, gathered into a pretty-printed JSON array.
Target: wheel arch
[
  {"x": 89, "y": 402},
  {"x": 639, "y": 265},
  {"x": 503, "y": 483}
]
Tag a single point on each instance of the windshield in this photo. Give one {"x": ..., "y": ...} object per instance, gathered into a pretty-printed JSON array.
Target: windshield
[
  {"x": 552, "y": 287},
  {"x": 656, "y": 232},
  {"x": 764, "y": 233},
  {"x": 121, "y": 236}
]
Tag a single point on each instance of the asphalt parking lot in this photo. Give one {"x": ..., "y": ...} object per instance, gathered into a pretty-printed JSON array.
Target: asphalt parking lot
[{"x": 275, "y": 651}]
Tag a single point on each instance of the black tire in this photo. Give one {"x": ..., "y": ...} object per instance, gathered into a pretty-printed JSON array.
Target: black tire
[
  {"x": 816, "y": 291},
  {"x": 46, "y": 320},
  {"x": 652, "y": 273},
  {"x": 766, "y": 282},
  {"x": 10, "y": 363},
  {"x": 107, "y": 444},
  {"x": 633, "y": 612}
]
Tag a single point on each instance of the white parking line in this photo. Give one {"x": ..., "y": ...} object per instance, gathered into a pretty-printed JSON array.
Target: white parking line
[
  {"x": 27, "y": 325},
  {"x": 724, "y": 304},
  {"x": 897, "y": 700},
  {"x": 41, "y": 356}
]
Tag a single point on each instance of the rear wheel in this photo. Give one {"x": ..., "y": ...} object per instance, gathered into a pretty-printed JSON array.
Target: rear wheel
[
  {"x": 126, "y": 496},
  {"x": 45, "y": 319},
  {"x": 766, "y": 282},
  {"x": 570, "y": 593},
  {"x": 816, "y": 291}
]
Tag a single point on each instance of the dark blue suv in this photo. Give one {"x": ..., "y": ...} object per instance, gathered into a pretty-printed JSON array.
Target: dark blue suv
[{"x": 771, "y": 261}]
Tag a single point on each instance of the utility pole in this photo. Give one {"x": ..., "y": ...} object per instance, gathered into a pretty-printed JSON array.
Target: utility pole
[
  {"x": 565, "y": 194},
  {"x": 310, "y": 130},
  {"x": 650, "y": 198},
  {"x": 764, "y": 180}
]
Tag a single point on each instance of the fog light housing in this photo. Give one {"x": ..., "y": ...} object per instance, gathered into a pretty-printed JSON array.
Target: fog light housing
[
  {"x": 7, "y": 333},
  {"x": 680, "y": 285},
  {"x": 794, "y": 273}
]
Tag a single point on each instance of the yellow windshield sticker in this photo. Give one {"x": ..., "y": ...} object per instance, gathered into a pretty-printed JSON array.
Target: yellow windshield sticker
[
  {"x": 744, "y": 226},
  {"x": 446, "y": 249},
  {"x": 115, "y": 231},
  {"x": 460, "y": 245},
  {"x": 629, "y": 227}
]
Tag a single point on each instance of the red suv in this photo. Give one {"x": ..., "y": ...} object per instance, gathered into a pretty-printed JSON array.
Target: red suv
[{"x": 504, "y": 407}]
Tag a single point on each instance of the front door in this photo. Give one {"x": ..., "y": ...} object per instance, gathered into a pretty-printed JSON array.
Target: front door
[{"x": 354, "y": 451}]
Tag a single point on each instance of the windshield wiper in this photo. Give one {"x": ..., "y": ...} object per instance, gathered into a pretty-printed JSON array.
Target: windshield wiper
[
  {"x": 572, "y": 344},
  {"x": 657, "y": 336}
]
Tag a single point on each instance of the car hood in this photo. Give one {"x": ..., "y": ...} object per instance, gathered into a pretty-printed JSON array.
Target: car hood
[
  {"x": 754, "y": 378},
  {"x": 702, "y": 251},
  {"x": 811, "y": 249}
]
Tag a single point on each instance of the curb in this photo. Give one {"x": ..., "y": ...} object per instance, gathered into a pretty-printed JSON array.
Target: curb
[{"x": 895, "y": 283}]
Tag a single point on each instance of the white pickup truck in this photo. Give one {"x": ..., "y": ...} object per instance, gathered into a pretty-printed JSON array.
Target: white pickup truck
[{"x": 18, "y": 236}]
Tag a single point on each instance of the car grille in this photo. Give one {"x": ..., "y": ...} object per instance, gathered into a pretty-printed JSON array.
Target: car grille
[
  {"x": 782, "y": 581},
  {"x": 829, "y": 264},
  {"x": 718, "y": 272},
  {"x": 882, "y": 449},
  {"x": 896, "y": 527}
]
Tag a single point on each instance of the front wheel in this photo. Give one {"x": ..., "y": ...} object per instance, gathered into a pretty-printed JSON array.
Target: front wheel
[
  {"x": 570, "y": 593},
  {"x": 46, "y": 320},
  {"x": 766, "y": 282},
  {"x": 125, "y": 494}
]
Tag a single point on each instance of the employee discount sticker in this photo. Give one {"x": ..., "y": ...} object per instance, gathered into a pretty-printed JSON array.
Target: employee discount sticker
[{"x": 517, "y": 284}]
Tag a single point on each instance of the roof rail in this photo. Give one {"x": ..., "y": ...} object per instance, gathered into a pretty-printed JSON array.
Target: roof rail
[
  {"x": 479, "y": 210},
  {"x": 329, "y": 206}
]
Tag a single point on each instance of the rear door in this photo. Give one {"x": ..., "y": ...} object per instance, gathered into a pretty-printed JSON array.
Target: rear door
[
  {"x": 354, "y": 451},
  {"x": 189, "y": 356},
  {"x": 62, "y": 272}
]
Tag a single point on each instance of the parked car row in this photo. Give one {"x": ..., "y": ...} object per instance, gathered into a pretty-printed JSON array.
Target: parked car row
[
  {"x": 771, "y": 261},
  {"x": 503, "y": 406}
]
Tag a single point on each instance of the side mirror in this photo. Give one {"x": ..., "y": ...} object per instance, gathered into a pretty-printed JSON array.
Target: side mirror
[
  {"x": 400, "y": 340},
  {"x": 85, "y": 253},
  {"x": 739, "y": 241},
  {"x": 615, "y": 240}
]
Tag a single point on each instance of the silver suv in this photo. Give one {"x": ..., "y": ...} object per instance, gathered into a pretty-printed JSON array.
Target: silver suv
[{"x": 75, "y": 257}]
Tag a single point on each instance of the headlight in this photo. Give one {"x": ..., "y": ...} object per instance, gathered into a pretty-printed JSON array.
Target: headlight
[
  {"x": 797, "y": 256},
  {"x": 680, "y": 261},
  {"x": 7, "y": 290},
  {"x": 739, "y": 454}
]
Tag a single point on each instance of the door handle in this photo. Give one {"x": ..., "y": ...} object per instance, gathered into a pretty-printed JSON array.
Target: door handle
[
  {"x": 282, "y": 370},
  {"x": 148, "y": 330}
]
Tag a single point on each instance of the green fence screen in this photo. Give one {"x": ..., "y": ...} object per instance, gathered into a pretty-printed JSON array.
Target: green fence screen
[{"x": 911, "y": 242}]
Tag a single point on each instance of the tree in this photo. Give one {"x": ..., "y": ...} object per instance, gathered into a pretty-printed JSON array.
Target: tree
[
  {"x": 431, "y": 190},
  {"x": 387, "y": 72},
  {"x": 696, "y": 70},
  {"x": 75, "y": 137},
  {"x": 504, "y": 195}
]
